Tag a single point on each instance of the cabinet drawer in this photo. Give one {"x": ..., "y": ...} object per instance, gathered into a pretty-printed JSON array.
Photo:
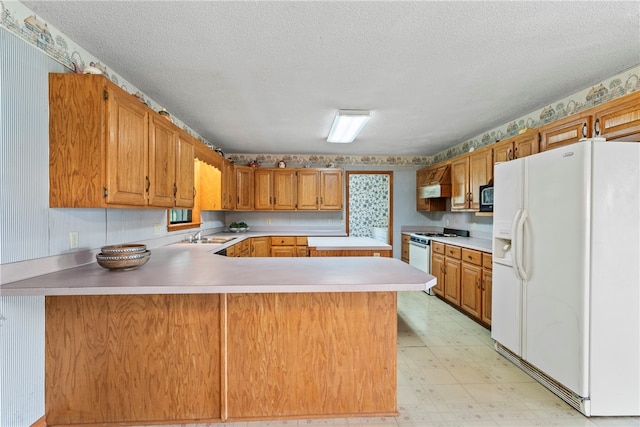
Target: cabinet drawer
[
  {"x": 471, "y": 256},
  {"x": 453, "y": 251},
  {"x": 301, "y": 240},
  {"x": 437, "y": 247},
  {"x": 487, "y": 260},
  {"x": 283, "y": 241}
]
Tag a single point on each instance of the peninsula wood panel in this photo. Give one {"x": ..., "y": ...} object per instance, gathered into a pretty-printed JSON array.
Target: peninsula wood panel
[
  {"x": 350, "y": 252},
  {"x": 311, "y": 354},
  {"x": 132, "y": 359}
]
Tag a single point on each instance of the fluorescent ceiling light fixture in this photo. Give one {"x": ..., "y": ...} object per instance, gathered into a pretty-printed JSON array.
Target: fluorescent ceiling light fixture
[{"x": 347, "y": 125}]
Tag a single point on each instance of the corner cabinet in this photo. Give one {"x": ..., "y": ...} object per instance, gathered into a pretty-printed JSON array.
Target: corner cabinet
[
  {"x": 468, "y": 173},
  {"x": 107, "y": 149}
]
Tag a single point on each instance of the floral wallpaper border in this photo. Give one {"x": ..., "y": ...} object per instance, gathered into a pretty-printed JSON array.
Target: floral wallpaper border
[{"x": 22, "y": 22}]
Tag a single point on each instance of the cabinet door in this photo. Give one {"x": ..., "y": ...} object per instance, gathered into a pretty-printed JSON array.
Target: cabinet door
[
  {"x": 283, "y": 251},
  {"x": 470, "y": 289},
  {"x": 284, "y": 189},
  {"x": 127, "y": 159},
  {"x": 526, "y": 145},
  {"x": 228, "y": 186},
  {"x": 302, "y": 251},
  {"x": 263, "y": 190},
  {"x": 503, "y": 151},
  {"x": 308, "y": 189},
  {"x": 452, "y": 268},
  {"x": 438, "y": 270},
  {"x": 421, "y": 180},
  {"x": 331, "y": 190},
  {"x": 460, "y": 183},
  {"x": 244, "y": 188},
  {"x": 260, "y": 247},
  {"x": 565, "y": 131},
  {"x": 162, "y": 162},
  {"x": 487, "y": 286},
  {"x": 184, "y": 177},
  {"x": 405, "y": 248},
  {"x": 619, "y": 120},
  {"x": 480, "y": 173}
]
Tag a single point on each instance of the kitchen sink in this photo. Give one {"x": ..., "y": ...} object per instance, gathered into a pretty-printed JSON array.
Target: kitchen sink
[{"x": 218, "y": 240}]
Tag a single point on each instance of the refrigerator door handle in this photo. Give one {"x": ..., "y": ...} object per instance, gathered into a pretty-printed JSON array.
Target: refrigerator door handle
[
  {"x": 522, "y": 273},
  {"x": 514, "y": 242}
]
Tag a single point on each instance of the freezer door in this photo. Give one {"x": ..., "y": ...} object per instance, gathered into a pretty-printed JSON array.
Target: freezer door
[
  {"x": 508, "y": 181},
  {"x": 506, "y": 303},
  {"x": 555, "y": 258}
]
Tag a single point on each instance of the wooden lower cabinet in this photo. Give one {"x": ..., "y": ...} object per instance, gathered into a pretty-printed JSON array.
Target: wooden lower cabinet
[
  {"x": 172, "y": 359},
  {"x": 464, "y": 279},
  {"x": 437, "y": 267},
  {"x": 137, "y": 359},
  {"x": 260, "y": 246},
  {"x": 289, "y": 246},
  {"x": 404, "y": 252},
  {"x": 311, "y": 354}
]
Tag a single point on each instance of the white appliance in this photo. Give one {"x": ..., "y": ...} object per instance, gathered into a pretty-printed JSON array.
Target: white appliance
[{"x": 566, "y": 274}]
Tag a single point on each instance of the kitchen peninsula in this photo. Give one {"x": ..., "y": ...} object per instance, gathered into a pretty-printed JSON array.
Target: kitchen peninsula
[{"x": 196, "y": 337}]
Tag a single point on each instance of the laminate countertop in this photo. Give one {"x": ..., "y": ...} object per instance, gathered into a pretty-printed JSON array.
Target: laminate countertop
[
  {"x": 347, "y": 243},
  {"x": 186, "y": 268}
]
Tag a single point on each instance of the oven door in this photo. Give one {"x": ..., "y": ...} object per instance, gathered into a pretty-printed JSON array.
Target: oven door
[{"x": 418, "y": 256}]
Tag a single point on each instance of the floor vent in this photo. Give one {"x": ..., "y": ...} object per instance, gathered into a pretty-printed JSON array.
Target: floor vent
[{"x": 580, "y": 403}]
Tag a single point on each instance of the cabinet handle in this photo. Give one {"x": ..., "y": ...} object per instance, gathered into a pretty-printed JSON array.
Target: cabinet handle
[
  {"x": 175, "y": 189},
  {"x": 148, "y": 183},
  {"x": 478, "y": 283},
  {"x": 596, "y": 127},
  {"x": 482, "y": 281},
  {"x": 469, "y": 256},
  {"x": 584, "y": 130},
  {"x": 515, "y": 153},
  {"x": 195, "y": 191},
  {"x": 509, "y": 154}
]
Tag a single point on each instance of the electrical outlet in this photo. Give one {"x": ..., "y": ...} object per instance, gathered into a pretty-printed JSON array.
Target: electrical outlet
[
  {"x": 474, "y": 226},
  {"x": 268, "y": 220},
  {"x": 342, "y": 222},
  {"x": 157, "y": 229},
  {"x": 330, "y": 221},
  {"x": 376, "y": 254},
  {"x": 73, "y": 239},
  {"x": 446, "y": 223}
]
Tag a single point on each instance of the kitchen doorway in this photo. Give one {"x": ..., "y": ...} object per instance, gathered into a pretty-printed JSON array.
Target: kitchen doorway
[{"x": 369, "y": 209}]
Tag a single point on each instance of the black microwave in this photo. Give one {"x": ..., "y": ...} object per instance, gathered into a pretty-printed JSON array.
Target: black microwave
[{"x": 486, "y": 198}]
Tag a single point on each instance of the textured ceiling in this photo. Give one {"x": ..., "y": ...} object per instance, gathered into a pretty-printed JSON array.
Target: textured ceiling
[{"x": 268, "y": 77}]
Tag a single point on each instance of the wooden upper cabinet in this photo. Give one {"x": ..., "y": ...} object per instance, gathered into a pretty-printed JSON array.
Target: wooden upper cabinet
[
  {"x": 244, "y": 188},
  {"x": 320, "y": 189},
  {"x": 566, "y": 131},
  {"x": 468, "y": 173},
  {"x": 162, "y": 168},
  {"x": 438, "y": 174},
  {"x": 619, "y": 120},
  {"x": 107, "y": 149},
  {"x": 184, "y": 178},
  {"x": 228, "y": 186},
  {"x": 126, "y": 157},
  {"x": 516, "y": 147},
  {"x": 331, "y": 189},
  {"x": 275, "y": 189}
]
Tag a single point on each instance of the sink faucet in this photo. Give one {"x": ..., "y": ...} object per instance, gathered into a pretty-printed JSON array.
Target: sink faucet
[{"x": 197, "y": 236}]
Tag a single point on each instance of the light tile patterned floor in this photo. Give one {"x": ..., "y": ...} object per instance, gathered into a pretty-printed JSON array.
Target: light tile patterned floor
[{"x": 450, "y": 375}]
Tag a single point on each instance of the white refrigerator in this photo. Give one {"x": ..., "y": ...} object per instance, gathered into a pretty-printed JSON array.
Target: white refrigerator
[{"x": 566, "y": 272}]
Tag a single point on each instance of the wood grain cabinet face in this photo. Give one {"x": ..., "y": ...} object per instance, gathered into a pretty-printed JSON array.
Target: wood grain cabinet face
[
  {"x": 116, "y": 152},
  {"x": 320, "y": 189},
  {"x": 438, "y": 270},
  {"x": 405, "y": 248},
  {"x": 468, "y": 173},
  {"x": 619, "y": 120},
  {"x": 260, "y": 246},
  {"x": 516, "y": 147},
  {"x": 244, "y": 188},
  {"x": 566, "y": 131},
  {"x": 487, "y": 288},
  {"x": 275, "y": 189},
  {"x": 432, "y": 175}
]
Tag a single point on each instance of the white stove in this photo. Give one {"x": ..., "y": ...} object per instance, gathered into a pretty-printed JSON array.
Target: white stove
[{"x": 420, "y": 247}]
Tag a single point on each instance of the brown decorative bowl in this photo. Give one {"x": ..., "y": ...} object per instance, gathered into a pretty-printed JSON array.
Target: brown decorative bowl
[
  {"x": 126, "y": 249},
  {"x": 123, "y": 262}
]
